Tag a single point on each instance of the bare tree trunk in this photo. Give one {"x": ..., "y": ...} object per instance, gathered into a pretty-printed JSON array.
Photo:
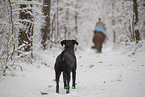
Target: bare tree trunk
[
  {"x": 12, "y": 28},
  {"x": 76, "y": 19},
  {"x": 136, "y": 30},
  {"x": 46, "y": 29},
  {"x": 52, "y": 26},
  {"x": 66, "y": 27},
  {"x": 58, "y": 33},
  {"x": 26, "y": 33},
  {"x": 113, "y": 22},
  {"x": 133, "y": 34}
]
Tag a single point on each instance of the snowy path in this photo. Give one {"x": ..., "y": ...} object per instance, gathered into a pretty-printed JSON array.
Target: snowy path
[{"x": 110, "y": 74}]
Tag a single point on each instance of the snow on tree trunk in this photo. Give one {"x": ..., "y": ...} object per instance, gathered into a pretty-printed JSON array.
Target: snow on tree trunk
[
  {"x": 46, "y": 28},
  {"x": 26, "y": 32}
]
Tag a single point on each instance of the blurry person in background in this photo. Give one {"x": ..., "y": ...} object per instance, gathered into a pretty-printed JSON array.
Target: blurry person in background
[
  {"x": 100, "y": 27},
  {"x": 99, "y": 36}
]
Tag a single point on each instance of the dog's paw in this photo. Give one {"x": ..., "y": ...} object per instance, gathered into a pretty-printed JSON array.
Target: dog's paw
[
  {"x": 73, "y": 87},
  {"x": 57, "y": 91},
  {"x": 67, "y": 91}
]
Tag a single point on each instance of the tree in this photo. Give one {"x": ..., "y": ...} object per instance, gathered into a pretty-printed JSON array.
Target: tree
[
  {"x": 136, "y": 30},
  {"x": 46, "y": 28},
  {"x": 26, "y": 32},
  {"x": 113, "y": 21},
  {"x": 76, "y": 17}
]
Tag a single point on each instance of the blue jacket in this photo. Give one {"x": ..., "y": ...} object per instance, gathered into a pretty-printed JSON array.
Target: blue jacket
[{"x": 101, "y": 29}]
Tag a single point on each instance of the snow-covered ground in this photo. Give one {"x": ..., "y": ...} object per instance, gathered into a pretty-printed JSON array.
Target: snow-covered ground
[{"x": 110, "y": 74}]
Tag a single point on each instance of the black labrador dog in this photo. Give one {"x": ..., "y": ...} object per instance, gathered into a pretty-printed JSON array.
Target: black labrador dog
[{"x": 66, "y": 63}]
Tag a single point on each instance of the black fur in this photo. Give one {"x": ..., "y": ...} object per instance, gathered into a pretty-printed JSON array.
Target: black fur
[{"x": 66, "y": 63}]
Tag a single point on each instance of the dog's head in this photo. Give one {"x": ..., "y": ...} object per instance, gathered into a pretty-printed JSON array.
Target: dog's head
[{"x": 69, "y": 43}]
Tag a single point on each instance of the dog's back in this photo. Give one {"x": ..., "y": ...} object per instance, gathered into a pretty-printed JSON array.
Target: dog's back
[{"x": 65, "y": 61}]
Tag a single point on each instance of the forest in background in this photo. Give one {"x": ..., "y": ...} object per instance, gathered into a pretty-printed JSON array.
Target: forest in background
[{"x": 27, "y": 26}]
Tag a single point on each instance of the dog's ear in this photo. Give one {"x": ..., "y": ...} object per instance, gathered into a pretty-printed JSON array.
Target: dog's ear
[
  {"x": 63, "y": 42},
  {"x": 75, "y": 42}
]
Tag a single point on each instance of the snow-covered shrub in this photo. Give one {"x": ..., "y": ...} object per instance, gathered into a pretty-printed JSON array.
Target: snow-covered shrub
[{"x": 132, "y": 48}]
